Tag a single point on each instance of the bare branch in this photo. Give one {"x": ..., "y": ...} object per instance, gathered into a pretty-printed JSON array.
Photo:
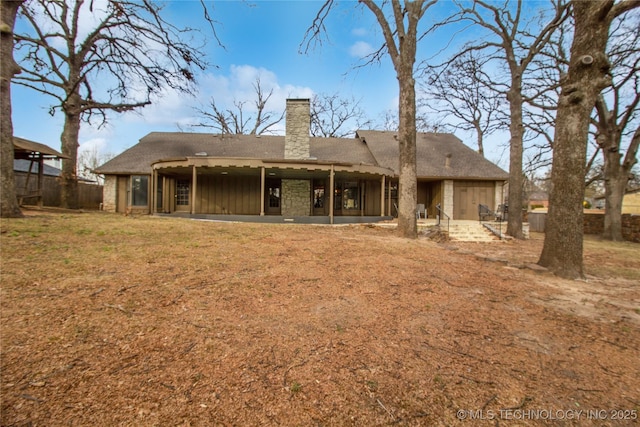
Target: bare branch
[
  {"x": 314, "y": 34},
  {"x": 233, "y": 121},
  {"x": 129, "y": 54},
  {"x": 335, "y": 117}
]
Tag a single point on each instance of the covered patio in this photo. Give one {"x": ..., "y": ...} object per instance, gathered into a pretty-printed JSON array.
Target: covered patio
[{"x": 258, "y": 190}]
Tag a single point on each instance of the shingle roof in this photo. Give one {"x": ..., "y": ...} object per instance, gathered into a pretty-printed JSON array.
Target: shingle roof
[
  {"x": 376, "y": 148},
  {"x": 431, "y": 154},
  {"x": 25, "y": 146},
  {"x": 168, "y": 145}
]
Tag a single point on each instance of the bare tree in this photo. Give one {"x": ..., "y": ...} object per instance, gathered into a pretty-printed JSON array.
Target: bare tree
[
  {"x": 128, "y": 54},
  {"x": 399, "y": 28},
  {"x": 89, "y": 160},
  {"x": 460, "y": 91},
  {"x": 613, "y": 120},
  {"x": 237, "y": 120},
  {"x": 616, "y": 121},
  {"x": 333, "y": 116},
  {"x": 424, "y": 122},
  {"x": 516, "y": 42},
  {"x": 8, "y": 68},
  {"x": 588, "y": 74},
  {"x": 542, "y": 90}
]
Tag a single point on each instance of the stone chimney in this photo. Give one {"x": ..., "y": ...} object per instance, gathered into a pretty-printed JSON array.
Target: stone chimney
[{"x": 298, "y": 127}]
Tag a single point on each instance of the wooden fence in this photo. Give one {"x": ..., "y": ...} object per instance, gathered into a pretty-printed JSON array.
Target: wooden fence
[{"x": 89, "y": 195}]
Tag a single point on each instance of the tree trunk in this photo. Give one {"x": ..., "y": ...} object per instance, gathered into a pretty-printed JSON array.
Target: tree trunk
[
  {"x": 516, "y": 180},
  {"x": 615, "y": 183},
  {"x": 9, "y": 207},
  {"x": 408, "y": 186},
  {"x": 479, "y": 137},
  {"x": 616, "y": 178},
  {"x": 586, "y": 77},
  {"x": 69, "y": 138}
]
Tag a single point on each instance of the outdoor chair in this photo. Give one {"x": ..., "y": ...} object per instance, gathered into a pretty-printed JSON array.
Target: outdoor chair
[{"x": 421, "y": 211}]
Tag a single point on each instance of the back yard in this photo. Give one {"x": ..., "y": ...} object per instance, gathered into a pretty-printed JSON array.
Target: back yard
[{"x": 113, "y": 320}]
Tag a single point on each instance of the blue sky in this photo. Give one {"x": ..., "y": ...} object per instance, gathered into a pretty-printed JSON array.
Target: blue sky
[{"x": 260, "y": 38}]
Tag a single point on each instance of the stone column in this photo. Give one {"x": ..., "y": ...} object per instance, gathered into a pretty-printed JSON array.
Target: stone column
[
  {"x": 109, "y": 193},
  {"x": 447, "y": 197}
]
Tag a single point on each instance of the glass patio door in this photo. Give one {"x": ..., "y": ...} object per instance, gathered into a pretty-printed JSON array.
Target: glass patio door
[{"x": 183, "y": 195}]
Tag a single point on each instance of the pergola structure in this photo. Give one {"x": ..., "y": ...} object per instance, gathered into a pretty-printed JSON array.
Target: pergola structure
[{"x": 36, "y": 153}]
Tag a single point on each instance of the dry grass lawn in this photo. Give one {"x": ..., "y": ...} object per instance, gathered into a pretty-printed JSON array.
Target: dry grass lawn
[{"x": 145, "y": 321}]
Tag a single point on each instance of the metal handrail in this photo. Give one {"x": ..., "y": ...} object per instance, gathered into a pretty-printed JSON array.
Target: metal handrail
[
  {"x": 483, "y": 211},
  {"x": 440, "y": 213}
]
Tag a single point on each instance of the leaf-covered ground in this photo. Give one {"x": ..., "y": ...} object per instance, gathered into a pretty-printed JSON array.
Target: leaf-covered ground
[{"x": 112, "y": 320}]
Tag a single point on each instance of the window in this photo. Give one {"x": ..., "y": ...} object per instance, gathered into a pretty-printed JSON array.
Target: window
[
  {"x": 139, "y": 190},
  {"x": 347, "y": 195},
  {"x": 274, "y": 197},
  {"x": 273, "y": 193},
  {"x": 318, "y": 194},
  {"x": 350, "y": 195}
]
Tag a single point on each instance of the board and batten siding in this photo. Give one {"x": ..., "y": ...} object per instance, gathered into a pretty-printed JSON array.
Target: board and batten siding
[
  {"x": 233, "y": 195},
  {"x": 372, "y": 197}
]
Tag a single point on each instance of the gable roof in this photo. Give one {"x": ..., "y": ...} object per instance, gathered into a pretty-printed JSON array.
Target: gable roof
[
  {"x": 431, "y": 154},
  {"x": 376, "y": 148}
]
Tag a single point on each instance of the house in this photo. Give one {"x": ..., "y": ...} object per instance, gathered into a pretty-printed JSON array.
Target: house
[
  {"x": 631, "y": 202},
  {"x": 538, "y": 199},
  {"x": 294, "y": 177}
]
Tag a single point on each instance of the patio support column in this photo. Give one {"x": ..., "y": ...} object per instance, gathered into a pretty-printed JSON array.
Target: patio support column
[
  {"x": 194, "y": 185},
  {"x": 262, "y": 185},
  {"x": 331, "y": 193},
  {"x": 166, "y": 200},
  {"x": 154, "y": 192},
  {"x": 363, "y": 186},
  {"x": 382, "y": 195},
  {"x": 389, "y": 198}
]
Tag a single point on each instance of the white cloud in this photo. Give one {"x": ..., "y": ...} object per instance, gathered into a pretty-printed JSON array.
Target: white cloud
[
  {"x": 173, "y": 111},
  {"x": 238, "y": 86},
  {"x": 169, "y": 107},
  {"x": 361, "y": 49},
  {"x": 97, "y": 145},
  {"x": 359, "y": 32}
]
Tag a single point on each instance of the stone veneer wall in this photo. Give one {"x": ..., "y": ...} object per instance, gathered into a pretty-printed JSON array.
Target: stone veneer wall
[
  {"x": 109, "y": 193},
  {"x": 296, "y": 197},
  {"x": 298, "y": 125}
]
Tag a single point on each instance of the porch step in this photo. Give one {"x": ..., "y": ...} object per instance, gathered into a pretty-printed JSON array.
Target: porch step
[{"x": 470, "y": 231}]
